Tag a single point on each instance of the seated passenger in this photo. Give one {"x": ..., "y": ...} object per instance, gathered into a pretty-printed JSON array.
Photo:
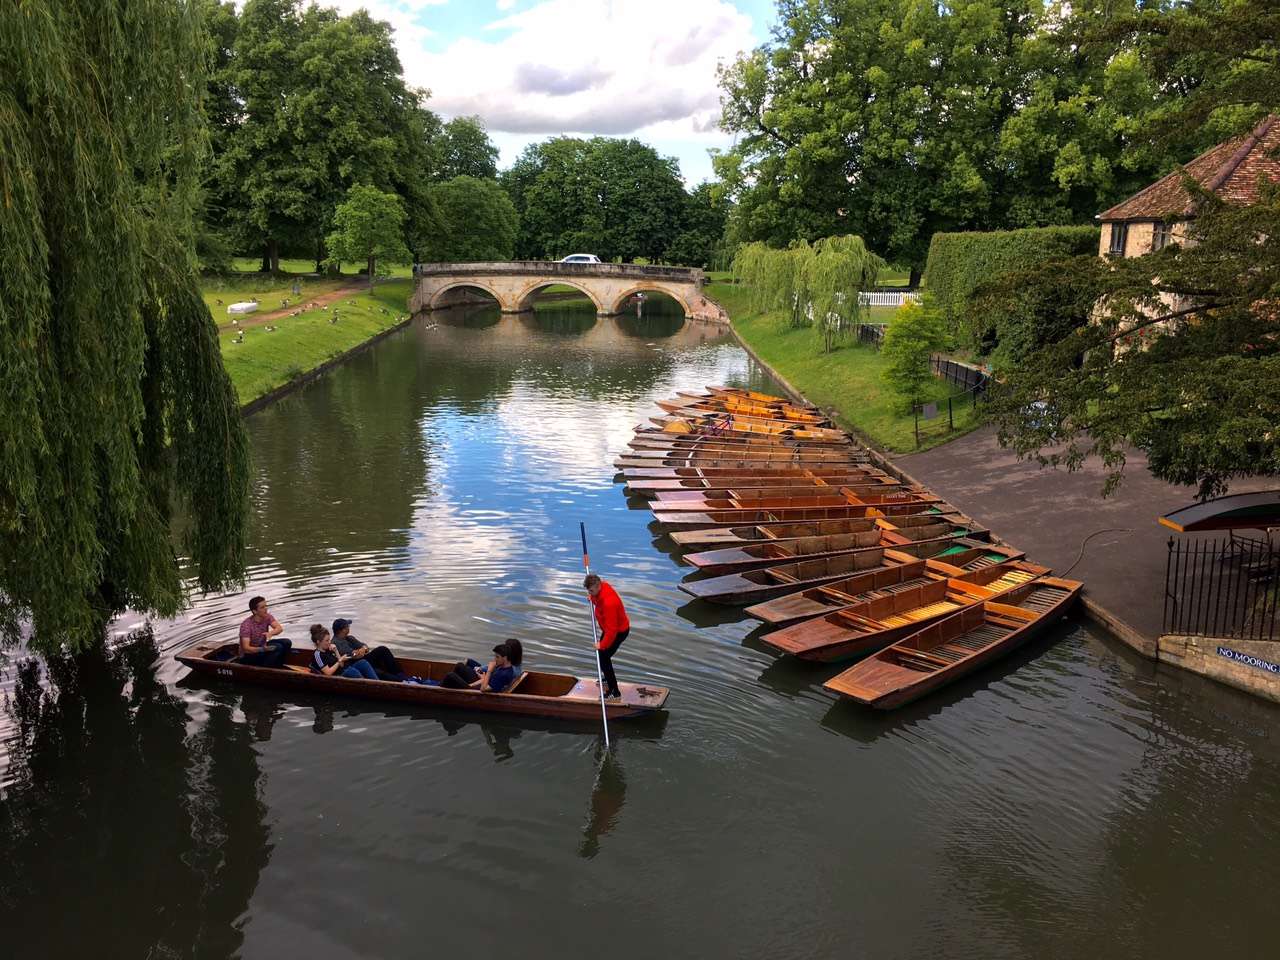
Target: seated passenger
[
  {"x": 495, "y": 678},
  {"x": 381, "y": 659},
  {"x": 260, "y": 642},
  {"x": 327, "y": 661}
]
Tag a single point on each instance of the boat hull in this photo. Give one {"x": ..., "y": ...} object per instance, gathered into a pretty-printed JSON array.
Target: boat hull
[{"x": 580, "y": 700}]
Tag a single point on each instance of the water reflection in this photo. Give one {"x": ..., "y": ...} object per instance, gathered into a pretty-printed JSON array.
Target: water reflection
[
  {"x": 608, "y": 796},
  {"x": 106, "y": 773}
]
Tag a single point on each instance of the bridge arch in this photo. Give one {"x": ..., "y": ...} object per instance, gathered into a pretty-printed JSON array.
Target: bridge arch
[
  {"x": 524, "y": 300},
  {"x": 676, "y": 295},
  {"x": 437, "y": 298}
]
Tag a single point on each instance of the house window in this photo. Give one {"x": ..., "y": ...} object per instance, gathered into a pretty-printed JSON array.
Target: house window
[
  {"x": 1119, "y": 234},
  {"x": 1161, "y": 235}
]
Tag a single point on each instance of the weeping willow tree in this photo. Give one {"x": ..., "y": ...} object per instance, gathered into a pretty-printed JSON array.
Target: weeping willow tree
[
  {"x": 810, "y": 284},
  {"x": 117, "y": 412}
]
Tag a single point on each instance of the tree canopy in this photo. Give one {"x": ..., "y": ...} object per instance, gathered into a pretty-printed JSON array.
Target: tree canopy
[
  {"x": 614, "y": 198},
  {"x": 369, "y": 226},
  {"x": 1176, "y": 352},
  {"x": 117, "y": 410},
  {"x": 893, "y": 120},
  {"x": 477, "y": 221},
  {"x": 464, "y": 149}
]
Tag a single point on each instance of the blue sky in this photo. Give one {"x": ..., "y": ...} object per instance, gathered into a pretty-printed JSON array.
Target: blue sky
[{"x": 537, "y": 68}]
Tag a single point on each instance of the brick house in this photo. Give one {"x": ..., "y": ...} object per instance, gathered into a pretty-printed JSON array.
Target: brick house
[{"x": 1158, "y": 214}]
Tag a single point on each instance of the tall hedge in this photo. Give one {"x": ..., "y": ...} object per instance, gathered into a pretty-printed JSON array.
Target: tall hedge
[{"x": 959, "y": 263}]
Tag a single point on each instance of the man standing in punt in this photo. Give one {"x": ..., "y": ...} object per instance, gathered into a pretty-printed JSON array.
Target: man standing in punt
[{"x": 611, "y": 618}]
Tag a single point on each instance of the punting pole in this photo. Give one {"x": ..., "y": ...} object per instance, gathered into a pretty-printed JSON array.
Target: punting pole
[{"x": 586, "y": 565}]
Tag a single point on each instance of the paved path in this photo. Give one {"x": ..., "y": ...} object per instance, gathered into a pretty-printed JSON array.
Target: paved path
[{"x": 1049, "y": 513}]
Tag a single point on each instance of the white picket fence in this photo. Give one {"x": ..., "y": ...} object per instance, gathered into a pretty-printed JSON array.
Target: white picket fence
[{"x": 886, "y": 298}]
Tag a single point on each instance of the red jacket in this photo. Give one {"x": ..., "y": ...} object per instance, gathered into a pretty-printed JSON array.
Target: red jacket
[{"x": 611, "y": 617}]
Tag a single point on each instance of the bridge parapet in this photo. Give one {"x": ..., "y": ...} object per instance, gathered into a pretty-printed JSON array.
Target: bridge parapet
[{"x": 515, "y": 284}]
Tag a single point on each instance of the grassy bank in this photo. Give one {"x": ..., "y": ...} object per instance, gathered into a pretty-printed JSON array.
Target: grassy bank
[
  {"x": 849, "y": 380},
  {"x": 270, "y": 358}
]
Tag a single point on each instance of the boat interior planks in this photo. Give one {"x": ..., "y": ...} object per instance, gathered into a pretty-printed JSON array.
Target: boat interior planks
[{"x": 956, "y": 645}]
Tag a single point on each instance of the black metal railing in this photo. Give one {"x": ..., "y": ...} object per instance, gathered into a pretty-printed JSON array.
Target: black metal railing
[
  {"x": 1223, "y": 587},
  {"x": 871, "y": 334},
  {"x": 960, "y": 374}
]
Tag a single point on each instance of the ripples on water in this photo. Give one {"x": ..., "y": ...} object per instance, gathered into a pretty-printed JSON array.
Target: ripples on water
[{"x": 1070, "y": 801}]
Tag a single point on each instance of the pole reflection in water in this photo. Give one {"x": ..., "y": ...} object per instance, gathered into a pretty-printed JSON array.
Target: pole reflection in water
[{"x": 608, "y": 795}]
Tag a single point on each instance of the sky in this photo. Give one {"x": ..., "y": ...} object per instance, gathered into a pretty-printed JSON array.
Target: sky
[{"x": 533, "y": 69}]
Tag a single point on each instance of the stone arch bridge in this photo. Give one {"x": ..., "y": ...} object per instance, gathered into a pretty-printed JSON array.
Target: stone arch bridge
[{"x": 516, "y": 283}]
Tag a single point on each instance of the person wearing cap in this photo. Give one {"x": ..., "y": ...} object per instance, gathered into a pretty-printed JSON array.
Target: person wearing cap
[
  {"x": 611, "y": 618},
  {"x": 496, "y": 677},
  {"x": 381, "y": 659}
]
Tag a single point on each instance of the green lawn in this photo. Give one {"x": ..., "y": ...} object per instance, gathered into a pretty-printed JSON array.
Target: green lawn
[
  {"x": 251, "y": 265},
  {"x": 266, "y": 360},
  {"x": 270, "y": 291},
  {"x": 849, "y": 380}
]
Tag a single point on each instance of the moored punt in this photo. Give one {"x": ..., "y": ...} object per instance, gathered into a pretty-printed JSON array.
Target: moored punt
[
  {"x": 646, "y": 438},
  {"x": 729, "y": 396},
  {"x": 766, "y": 553},
  {"x": 780, "y": 532},
  {"x": 853, "y": 511},
  {"x": 742, "y": 427},
  {"x": 723, "y": 474},
  {"x": 685, "y": 407},
  {"x": 534, "y": 694},
  {"x": 782, "y": 497},
  {"x": 871, "y": 624},
  {"x": 753, "y": 586},
  {"x": 783, "y": 508},
  {"x": 882, "y": 483},
  {"x": 840, "y": 594},
  {"x": 954, "y": 646},
  {"x": 663, "y": 489},
  {"x": 666, "y": 459},
  {"x": 755, "y": 396}
]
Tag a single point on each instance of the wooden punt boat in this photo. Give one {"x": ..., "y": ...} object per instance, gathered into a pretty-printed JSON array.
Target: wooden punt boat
[
  {"x": 954, "y": 646},
  {"x": 837, "y": 595},
  {"x": 780, "y": 532},
  {"x": 535, "y": 694},
  {"x": 734, "y": 518},
  {"x": 666, "y": 459},
  {"x": 754, "y": 586},
  {"x": 725, "y": 475},
  {"x": 781, "y": 496},
  {"x": 728, "y": 395},
  {"x": 712, "y": 406},
  {"x": 869, "y": 625},
  {"x": 770, "y": 552},
  {"x": 742, "y": 427},
  {"x": 723, "y": 486},
  {"x": 651, "y": 438},
  {"x": 755, "y": 396},
  {"x": 789, "y": 508}
]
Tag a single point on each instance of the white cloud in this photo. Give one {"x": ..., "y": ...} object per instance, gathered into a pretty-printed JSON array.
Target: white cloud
[{"x": 590, "y": 66}]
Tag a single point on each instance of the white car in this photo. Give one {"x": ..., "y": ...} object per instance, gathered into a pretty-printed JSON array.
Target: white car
[{"x": 581, "y": 258}]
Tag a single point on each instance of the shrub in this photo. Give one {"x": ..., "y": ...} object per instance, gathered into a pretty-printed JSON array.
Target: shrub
[
  {"x": 960, "y": 263},
  {"x": 915, "y": 331}
]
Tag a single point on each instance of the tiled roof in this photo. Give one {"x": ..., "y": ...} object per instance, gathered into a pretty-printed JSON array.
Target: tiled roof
[{"x": 1231, "y": 170}]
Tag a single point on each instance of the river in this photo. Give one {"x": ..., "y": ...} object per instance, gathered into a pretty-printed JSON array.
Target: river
[{"x": 1071, "y": 801}]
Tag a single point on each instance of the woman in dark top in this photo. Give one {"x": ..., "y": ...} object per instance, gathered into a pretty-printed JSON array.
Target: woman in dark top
[{"x": 327, "y": 661}]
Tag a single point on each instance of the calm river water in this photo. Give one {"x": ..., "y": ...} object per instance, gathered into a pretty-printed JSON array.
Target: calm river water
[{"x": 1071, "y": 802}]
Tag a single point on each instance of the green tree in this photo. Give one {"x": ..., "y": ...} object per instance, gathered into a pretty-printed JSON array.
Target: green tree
[
  {"x": 369, "y": 226},
  {"x": 614, "y": 198},
  {"x": 476, "y": 221},
  {"x": 700, "y": 242},
  {"x": 1177, "y": 352},
  {"x": 465, "y": 150},
  {"x": 914, "y": 334},
  {"x": 117, "y": 410},
  {"x": 894, "y": 119}
]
